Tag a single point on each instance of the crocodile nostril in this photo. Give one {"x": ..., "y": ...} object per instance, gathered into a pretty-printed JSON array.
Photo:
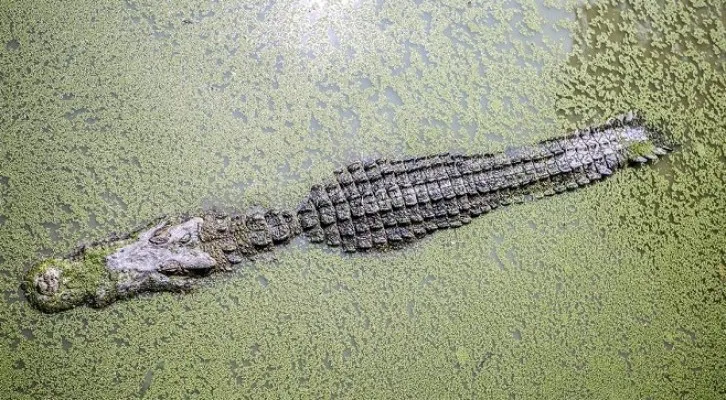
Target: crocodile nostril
[{"x": 48, "y": 282}]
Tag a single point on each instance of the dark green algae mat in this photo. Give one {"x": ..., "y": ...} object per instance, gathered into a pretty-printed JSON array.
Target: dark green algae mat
[{"x": 113, "y": 114}]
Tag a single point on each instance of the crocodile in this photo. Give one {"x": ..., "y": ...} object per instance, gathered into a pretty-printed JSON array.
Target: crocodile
[{"x": 371, "y": 205}]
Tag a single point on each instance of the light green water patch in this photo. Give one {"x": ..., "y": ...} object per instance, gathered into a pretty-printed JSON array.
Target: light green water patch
[{"x": 614, "y": 291}]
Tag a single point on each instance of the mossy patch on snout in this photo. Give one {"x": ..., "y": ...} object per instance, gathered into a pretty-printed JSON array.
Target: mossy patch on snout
[{"x": 60, "y": 284}]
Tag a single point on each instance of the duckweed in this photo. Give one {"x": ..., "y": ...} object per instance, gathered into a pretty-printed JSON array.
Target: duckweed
[{"x": 115, "y": 113}]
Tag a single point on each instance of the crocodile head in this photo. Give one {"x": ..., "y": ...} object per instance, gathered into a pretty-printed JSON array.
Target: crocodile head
[{"x": 166, "y": 256}]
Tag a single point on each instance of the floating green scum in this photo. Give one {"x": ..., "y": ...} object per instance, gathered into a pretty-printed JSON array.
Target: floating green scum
[{"x": 369, "y": 205}]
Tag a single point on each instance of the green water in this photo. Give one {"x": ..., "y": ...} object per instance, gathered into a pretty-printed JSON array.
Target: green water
[{"x": 111, "y": 115}]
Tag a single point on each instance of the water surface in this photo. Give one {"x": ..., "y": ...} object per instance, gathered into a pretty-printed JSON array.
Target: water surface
[{"x": 114, "y": 114}]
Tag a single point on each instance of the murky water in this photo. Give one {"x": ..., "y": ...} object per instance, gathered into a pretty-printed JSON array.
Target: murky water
[{"x": 115, "y": 114}]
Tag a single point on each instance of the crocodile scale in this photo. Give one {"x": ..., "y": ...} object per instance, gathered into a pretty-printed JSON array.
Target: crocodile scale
[{"x": 383, "y": 203}]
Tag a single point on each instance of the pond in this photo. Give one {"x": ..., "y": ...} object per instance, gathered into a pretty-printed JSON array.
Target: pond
[{"x": 114, "y": 114}]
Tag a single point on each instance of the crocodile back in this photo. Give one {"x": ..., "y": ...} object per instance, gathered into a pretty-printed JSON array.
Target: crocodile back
[{"x": 386, "y": 203}]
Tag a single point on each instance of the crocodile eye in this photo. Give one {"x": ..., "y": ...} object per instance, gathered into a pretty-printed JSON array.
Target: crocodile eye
[
  {"x": 159, "y": 239},
  {"x": 186, "y": 238}
]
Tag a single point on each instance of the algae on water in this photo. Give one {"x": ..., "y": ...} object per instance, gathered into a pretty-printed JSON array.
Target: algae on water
[{"x": 114, "y": 114}]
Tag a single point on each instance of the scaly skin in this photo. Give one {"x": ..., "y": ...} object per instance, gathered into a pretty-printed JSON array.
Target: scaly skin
[
  {"x": 377, "y": 204},
  {"x": 382, "y": 203}
]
